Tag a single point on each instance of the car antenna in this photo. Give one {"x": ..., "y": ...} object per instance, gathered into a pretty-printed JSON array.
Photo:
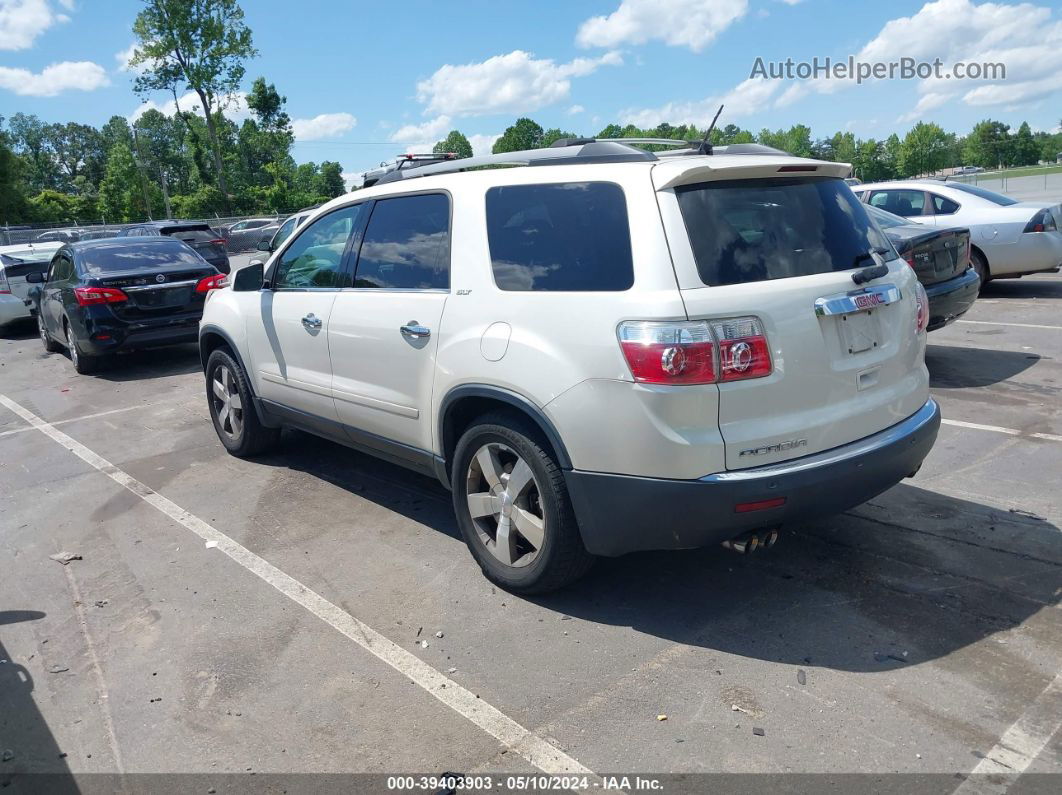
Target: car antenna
[{"x": 705, "y": 146}]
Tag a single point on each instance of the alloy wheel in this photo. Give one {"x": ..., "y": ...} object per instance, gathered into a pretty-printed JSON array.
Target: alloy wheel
[
  {"x": 71, "y": 346},
  {"x": 228, "y": 405},
  {"x": 505, "y": 503},
  {"x": 42, "y": 330}
]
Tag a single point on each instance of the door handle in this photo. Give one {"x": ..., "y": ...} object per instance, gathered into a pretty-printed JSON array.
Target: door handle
[
  {"x": 311, "y": 321},
  {"x": 414, "y": 329}
]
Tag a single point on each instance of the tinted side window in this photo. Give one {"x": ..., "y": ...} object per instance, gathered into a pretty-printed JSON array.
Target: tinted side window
[
  {"x": 283, "y": 233},
  {"x": 315, "y": 257},
  {"x": 562, "y": 237},
  {"x": 900, "y": 202},
  {"x": 944, "y": 206},
  {"x": 407, "y": 244}
]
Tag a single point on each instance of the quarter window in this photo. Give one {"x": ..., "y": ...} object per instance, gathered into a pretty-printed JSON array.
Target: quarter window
[
  {"x": 407, "y": 244},
  {"x": 315, "y": 258},
  {"x": 570, "y": 236},
  {"x": 942, "y": 206}
]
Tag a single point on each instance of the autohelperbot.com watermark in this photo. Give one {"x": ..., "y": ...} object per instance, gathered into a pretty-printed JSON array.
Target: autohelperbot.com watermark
[{"x": 852, "y": 68}]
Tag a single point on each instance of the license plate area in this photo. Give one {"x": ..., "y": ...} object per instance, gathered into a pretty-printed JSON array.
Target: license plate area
[
  {"x": 165, "y": 298},
  {"x": 859, "y": 331}
]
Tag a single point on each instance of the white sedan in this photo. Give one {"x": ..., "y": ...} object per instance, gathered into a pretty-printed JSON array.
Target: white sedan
[
  {"x": 15, "y": 262},
  {"x": 1008, "y": 238}
]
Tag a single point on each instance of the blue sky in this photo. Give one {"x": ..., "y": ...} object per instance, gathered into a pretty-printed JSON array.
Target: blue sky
[{"x": 367, "y": 80}]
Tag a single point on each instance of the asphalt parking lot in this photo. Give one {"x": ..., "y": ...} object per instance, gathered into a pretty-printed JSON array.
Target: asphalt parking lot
[{"x": 316, "y": 611}]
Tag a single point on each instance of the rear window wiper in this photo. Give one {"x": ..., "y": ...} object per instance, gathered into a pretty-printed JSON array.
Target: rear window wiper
[{"x": 869, "y": 274}]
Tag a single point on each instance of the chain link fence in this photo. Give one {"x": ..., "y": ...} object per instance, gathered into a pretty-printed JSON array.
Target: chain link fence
[
  {"x": 241, "y": 233},
  {"x": 1046, "y": 187}
]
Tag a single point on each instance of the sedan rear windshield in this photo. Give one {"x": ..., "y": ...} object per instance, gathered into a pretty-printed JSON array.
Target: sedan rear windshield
[
  {"x": 198, "y": 233},
  {"x": 989, "y": 195},
  {"x": 133, "y": 255},
  {"x": 757, "y": 230}
]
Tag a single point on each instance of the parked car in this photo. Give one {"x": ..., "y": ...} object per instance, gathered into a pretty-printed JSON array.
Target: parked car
[
  {"x": 271, "y": 242},
  {"x": 941, "y": 260},
  {"x": 16, "y": 262},
  {"x": 101, "y": 297},
  {"x": 99, "y": 234},
  {"x": 60, "y": 235},
  {"x": 969, "y": 170},
  {"x": 199, "y": 236},
  {"x": 588, "y": 351},
  {"x": 1008, "y": 238},
  {"x": 244, "y": 235}
]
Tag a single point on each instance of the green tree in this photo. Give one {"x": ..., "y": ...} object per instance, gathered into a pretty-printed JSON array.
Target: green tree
[
  {"x": 988, "y": 144},
  {"x": 1026, "y": 151},
  {"x": 200, "y": 45},
  {"x": 523, "y": 134},
  {"x": 455, "y": 142},
  {"x": 12, "y": 200},
  {"x": 30, "y": 138},
  {"x": 926, "y": 148},
  {"x": 331, "y": 179},
  {"x": 77, "y": 150},
  {"x": 159, "y": 143},
  {"x": 120, "y": 196},
  {"x": 555, "y": 134}
]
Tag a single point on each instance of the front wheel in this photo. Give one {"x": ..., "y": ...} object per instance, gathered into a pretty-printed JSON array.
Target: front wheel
[
  {"x": 232, "y": 408},
  {"x": 513, "y": 509},
  {"x": 50, "y": 345}
]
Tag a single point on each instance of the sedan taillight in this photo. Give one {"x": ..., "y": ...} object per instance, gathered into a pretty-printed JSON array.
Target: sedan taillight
[
  {"x": 696, "y": 352},
  {"x": 921, "y": 308},
  {"x": 208, "y": 283},
  {"x": 1043, "y": 221},
  {"x": 89, "y": 296}
]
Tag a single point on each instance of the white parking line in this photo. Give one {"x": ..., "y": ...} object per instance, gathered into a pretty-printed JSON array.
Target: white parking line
[
  {"x": 530, "y": 746},
  {"x": 76, "y": 419},
  {"x": 976, "y": 426},
  {"x": 1019, "y": 745},
  {"x": 1016, "y": 325}
]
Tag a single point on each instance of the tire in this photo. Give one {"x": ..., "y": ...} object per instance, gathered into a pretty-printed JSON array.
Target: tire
[
  {"x": 488, "y": 455},
  {"x": 50, "y": 345},
  {"x": 232, "y": 408},
  {"x": 980, "y": 265},
  {"x": 83, "y": 363}
]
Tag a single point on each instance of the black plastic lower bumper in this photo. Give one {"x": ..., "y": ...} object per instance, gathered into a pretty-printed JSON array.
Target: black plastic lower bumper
[
  {"x": 104, "y": 334},
  {"x": 620, "y": 513},
  {"x": 949, "y": 300}
]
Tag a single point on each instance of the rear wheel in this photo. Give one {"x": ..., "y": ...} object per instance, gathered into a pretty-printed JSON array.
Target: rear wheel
[
  {"x": 232, "y": 408},
  {"x": 512, "y": 506},
  {"x": 50, "y": 345},
  {"x": 84, "y": 364},
  {"x": 980, "y": 265}
]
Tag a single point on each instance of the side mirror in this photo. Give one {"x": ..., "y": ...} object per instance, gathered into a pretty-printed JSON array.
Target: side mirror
[
  {"x": 265, "y": 244},
  {"x": 250, "y": 277},
  {"x": 35, "y": 277}
]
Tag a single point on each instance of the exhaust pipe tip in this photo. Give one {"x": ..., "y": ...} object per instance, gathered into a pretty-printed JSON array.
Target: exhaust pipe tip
[{"x": 747, "y": 543}]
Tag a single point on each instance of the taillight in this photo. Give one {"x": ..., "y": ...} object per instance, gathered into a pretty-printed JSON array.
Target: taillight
[
  {"x": 5, "y": 287},
  {"x": 743, "y": 348},
  {"x": 220, "y": 241},
  {"x": 1043, "y": 221},
  {"x": 922, "y": 308},
  {"x": 88, "y": 296},
  {"x": 696, "y": 352},
  {"x": 909, "y": 259},
  {"x": 669, "y": 353},
  {"x": 208, "y": 283}
]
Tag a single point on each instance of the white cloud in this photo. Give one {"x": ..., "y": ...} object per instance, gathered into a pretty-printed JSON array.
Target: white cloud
[
  {"x": 1022, "y": 36},
  {"x": 324, "y": 125},
  {"x": 482, "y": 144},
  {"x": 352, "y": 179},
  {"x": 427, "y": 133},
  {"x": 236, "y": 108},
  {"x": 54, "y": 79},
  {"x": 679, "y": 23},
  {"x": 746, "y": 98},
  {"x": 513, "y": 83},
  {"x": 22, "y": 21},
  {"x": 575, "y": 110}
]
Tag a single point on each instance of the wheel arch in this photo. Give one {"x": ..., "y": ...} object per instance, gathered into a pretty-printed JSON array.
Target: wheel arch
[
  {"x": 462, "y": 404},
  {"x": 988, "y": 265},
  {"x": 211, "y": 338}
]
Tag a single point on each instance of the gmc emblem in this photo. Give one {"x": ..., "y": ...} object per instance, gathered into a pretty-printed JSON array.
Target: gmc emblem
[{"x": 867, "y": 300}]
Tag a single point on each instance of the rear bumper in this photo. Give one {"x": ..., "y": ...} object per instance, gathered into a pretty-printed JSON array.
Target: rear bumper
[
  {"x": 949, "y": 300},
  {"x": 13, "y": 309},
  {"x": 619, "y": 513},
  {"x": 104, "y": 333}
]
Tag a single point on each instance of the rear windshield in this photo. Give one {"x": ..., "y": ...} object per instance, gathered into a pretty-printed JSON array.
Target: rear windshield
[
  {"x": 199, "y": 235},
  {"x": 132, "y": 254},
  {"x": 757, "y": 230},
  {"x": 989, "y": 195},
  {"x": 571, "y": 236}
]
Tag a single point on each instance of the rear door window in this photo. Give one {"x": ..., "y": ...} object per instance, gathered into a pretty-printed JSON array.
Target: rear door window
[
  {"x": 572, "y": 236},
  {"x": 900, "y": 202},
  {"x": 407, "y": 244},
  {"x": 762, "y": 229},
  {"x": 942, "y": 206}
]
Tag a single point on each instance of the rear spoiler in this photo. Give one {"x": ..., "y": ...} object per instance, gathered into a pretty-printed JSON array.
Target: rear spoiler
[{"x": 687, "y": 171}]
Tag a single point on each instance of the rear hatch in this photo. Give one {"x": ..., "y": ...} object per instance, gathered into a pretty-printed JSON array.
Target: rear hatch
[
  {"x": 206, "y": 242},
  {"x": 846, "y": 361},
  {"x": 937, "y": 255},
  {"x": 162, "y": 293},
  {"x": 13, "y": 272}
]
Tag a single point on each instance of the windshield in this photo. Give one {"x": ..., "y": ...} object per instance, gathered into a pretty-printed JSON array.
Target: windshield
[
  {"x": 778, "y": 228},
  {"x": 988, "y": 195}
]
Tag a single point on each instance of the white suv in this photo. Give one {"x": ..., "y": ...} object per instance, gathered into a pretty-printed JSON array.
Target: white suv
[{"x": 606, "y": 350}]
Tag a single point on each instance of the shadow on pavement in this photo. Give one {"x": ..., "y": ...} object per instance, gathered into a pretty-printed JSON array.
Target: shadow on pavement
[
  {"x": 1025, "y": 287},
  {"x": 152, "y": 363},
  {"x": 24, "y": 734},
  {"x": 951, "y": 367}
]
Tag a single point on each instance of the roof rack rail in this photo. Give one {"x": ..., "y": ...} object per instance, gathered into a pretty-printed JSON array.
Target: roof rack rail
[{"x": 406, "y": 161}]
